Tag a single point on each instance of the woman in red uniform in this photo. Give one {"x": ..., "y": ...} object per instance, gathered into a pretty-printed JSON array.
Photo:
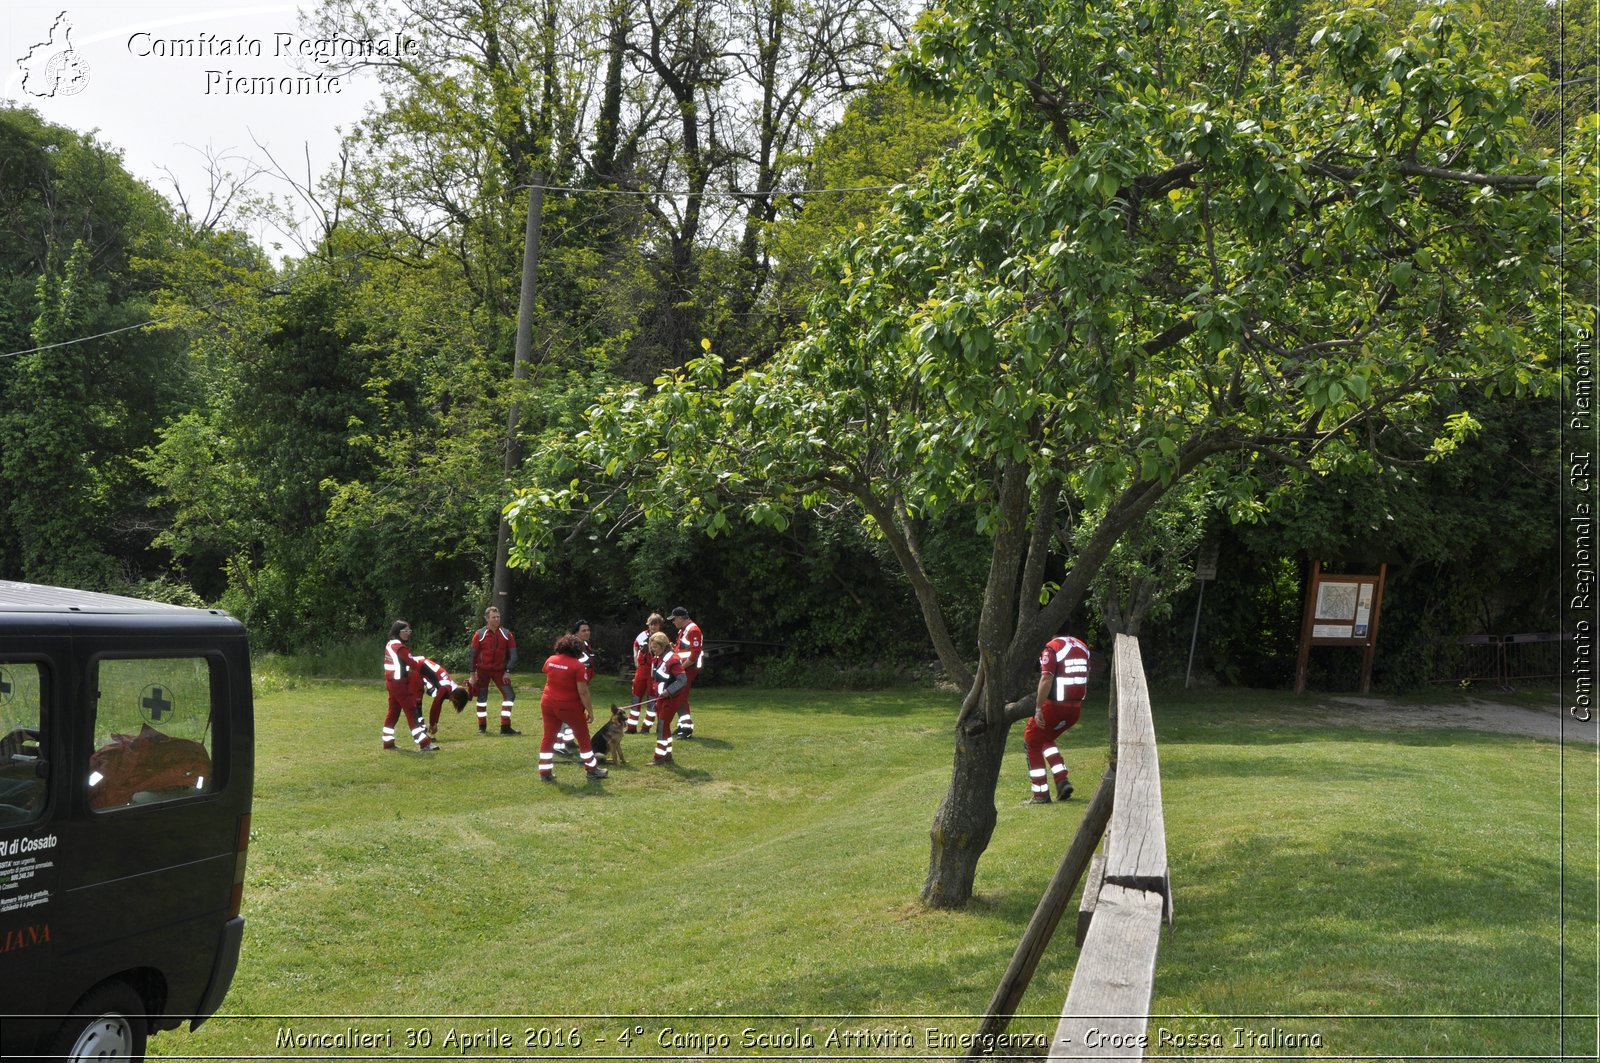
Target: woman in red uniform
[
  {"x": 566, "y": 701},
  {"x": 642, "y": 686},
  {"x": 672, "y": 692},
  {"x": 401, "y": 676}
]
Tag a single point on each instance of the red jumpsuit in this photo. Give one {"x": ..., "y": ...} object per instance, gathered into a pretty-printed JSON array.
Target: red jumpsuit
[
  {"x": 666, "y": 671},
  {"x": 491, "y": 654},
  {"x": 691, "y": 650},
  {"x": 560, "y": 705},
  {"x": 435, "y": 681},
  {"x": 643, "y": 688},
  {"x": 404, "y": 682},
  {"x": 1066, "y": 661}
]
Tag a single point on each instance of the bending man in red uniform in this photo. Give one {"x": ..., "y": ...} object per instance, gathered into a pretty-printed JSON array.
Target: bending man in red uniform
[
  {"x": 490, "y": 655},
  {"x": 691, "y": 650},
  {"x": 1063, "y": 680},
  {"x": 437, "y": 682},
  {"x": 404, "y": 682}
]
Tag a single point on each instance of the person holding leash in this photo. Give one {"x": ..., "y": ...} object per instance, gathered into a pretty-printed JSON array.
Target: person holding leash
[
  {"x": 671, "y": 681},
  {"x": 581, "y": 631},
  {"x": 566, "y": 701},
  {"x": 1063, "y": 680}
]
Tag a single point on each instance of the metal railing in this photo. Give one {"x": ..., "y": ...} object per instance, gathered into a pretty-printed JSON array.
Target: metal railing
[{"x": 1502, "y": 660}]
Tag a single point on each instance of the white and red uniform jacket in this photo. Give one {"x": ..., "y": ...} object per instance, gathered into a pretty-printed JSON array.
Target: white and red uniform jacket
[
  {"x": 1066, "y": 660},
  {"x": 435, "y": 680},
  {"x": 665, "y": 670},
  {"x": 691, "y": 647},
  {"x": 397, "y": 666}
]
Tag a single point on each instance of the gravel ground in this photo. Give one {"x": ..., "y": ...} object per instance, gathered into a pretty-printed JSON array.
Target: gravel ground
[{"x": 1470, "y": 713}]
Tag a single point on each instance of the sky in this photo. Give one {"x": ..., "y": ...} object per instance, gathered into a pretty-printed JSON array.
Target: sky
[{"x": 118, "y": 70}]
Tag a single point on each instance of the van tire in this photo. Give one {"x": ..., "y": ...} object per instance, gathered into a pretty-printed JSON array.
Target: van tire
[{"x": 108, "y": 1023}]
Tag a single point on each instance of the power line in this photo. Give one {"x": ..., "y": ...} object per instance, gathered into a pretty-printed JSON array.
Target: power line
[
  {"x": 706, "y": 194},
  {"x": 635, "y": 192},
  {"x": 80, "y": 339}
]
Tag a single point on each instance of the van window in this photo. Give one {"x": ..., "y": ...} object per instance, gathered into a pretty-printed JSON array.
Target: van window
[
  {"x": 22, "y": 782},
  {"x": 152, "y": 731}
]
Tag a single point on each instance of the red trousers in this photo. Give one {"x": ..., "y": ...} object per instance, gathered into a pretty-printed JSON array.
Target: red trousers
[{"x": 1044, "y": 758}]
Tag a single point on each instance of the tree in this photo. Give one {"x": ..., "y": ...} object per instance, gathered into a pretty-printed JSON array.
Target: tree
[
  {"x": 81, "y": 387},
  {"x": 1165, "y": 247}
]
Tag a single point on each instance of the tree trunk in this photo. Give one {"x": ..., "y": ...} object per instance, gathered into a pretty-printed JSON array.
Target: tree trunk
[{"x": 965, "y": 821}]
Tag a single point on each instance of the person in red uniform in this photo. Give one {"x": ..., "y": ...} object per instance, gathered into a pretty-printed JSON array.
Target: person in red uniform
[
  {"x": 565, "y": 701},
  {"x": 1063, "y": 680},
  {"x": 643, "y": 688},
  {"x": 437, "y": 683},
  {"x": 671, "y": 680},
  {"x": 581, "y": 631},
  {"x": 491, "y": 654},
  {"x": 691, "y": 650},
  {"x": 404, "y": 683}
]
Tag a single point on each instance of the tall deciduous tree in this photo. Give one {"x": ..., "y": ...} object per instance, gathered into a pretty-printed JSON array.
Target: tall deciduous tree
[
  {"x": 1167, "y": 246},
  {"x": 73, "y": 413}
]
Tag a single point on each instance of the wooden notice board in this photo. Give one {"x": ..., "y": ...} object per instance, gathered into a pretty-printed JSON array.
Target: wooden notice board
[{"x": 1341, "y": 610}]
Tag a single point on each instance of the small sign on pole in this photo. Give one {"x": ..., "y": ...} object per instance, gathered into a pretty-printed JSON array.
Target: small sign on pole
[{"x": 1205, "y": 568}]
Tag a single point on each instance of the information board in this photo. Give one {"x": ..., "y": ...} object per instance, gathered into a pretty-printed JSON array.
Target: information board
[{"x": 1341, "y": 610}]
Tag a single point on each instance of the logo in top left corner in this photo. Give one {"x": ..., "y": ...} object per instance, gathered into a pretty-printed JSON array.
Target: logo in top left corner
[{"x": 53, "y": 67}]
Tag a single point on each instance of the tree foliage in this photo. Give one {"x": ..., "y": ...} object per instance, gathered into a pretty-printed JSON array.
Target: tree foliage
[
  {"x": 1166, "y": 248},
  {"x": 72, "y": 413}
]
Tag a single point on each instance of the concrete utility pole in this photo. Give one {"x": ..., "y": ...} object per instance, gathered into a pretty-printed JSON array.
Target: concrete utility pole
[{"x": 530, "y": 267}]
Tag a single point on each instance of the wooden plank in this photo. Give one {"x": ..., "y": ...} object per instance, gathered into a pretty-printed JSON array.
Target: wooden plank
[
  {"x": 1107, "y": 1013},
  {"x": 1136, "y": 853},
  {"x": 1091, "y": 895},
  {"x": 1046, "y": 916}
]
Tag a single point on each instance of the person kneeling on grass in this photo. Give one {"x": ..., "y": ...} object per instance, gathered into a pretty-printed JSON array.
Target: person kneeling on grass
[{"x": 565, "y": 701}]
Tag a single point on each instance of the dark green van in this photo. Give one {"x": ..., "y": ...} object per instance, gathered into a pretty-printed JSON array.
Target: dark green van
[{"x": 126, "y": 758}]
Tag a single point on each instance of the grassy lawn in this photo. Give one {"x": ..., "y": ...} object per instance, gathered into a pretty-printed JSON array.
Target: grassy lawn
[{"x": 1402, "y": 893}]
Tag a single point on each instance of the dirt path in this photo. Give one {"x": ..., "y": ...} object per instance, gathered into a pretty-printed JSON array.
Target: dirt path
[{"x": 1472, "y": 714}]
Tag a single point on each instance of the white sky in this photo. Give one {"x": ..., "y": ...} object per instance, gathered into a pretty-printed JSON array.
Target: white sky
[{"x": 164, "y": 112}]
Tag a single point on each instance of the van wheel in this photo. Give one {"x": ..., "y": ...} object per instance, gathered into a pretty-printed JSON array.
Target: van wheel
[{"x": 108, "y": 1023}]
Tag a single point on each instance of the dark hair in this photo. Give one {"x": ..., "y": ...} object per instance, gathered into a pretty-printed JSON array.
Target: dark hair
[
  {"x": 459, "y": 696},
  {"x": 576, "y": 624},
  {"x": 570, "y": 645},
  {"x": 397, "y": 627}
]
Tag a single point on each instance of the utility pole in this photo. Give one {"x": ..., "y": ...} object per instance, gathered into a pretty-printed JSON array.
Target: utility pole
[{"x": 501, "y": 595}]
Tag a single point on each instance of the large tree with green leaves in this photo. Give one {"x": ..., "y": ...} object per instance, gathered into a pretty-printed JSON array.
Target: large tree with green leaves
[
  {"x": 81, "y": 387},
  {"x": 1174, "y": 243}
]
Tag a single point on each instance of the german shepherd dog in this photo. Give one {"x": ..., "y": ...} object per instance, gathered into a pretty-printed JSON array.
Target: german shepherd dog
[{"x": 607, "y": 741}]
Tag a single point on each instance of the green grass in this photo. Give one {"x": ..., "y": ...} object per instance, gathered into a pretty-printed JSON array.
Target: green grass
[{"x": 1327, "y": 872}]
